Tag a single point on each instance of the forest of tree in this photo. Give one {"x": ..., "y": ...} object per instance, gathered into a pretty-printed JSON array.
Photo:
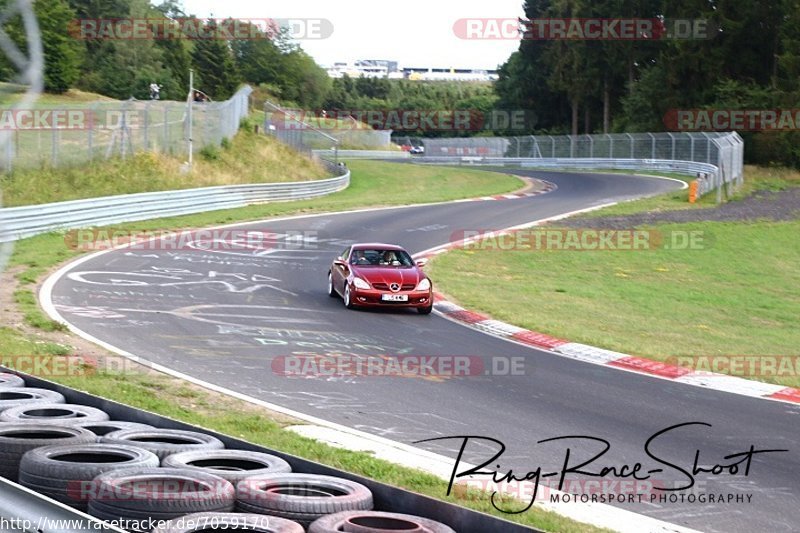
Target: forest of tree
[
  {"x": 750, "y": 61},
  {"x": 125, "y": 68}
]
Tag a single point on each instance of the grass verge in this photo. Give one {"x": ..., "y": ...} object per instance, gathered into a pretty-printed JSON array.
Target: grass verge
[
  {"x": 373, "y": 184},
  {"x": 249, "y": 158},
  {"x": 737, "y": 295}
]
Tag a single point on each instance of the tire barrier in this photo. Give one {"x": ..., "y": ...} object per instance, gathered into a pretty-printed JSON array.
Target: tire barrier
[
  {"x": 52, "y": 413},
  {"x": 18, "y": 396},
  {"x": 110, "y": 470},
  {"x": 230, "y": 521},
  {"x": 376, "y": 522},
  {"x": 18, "y": 439},
  {"x": 301, "y": 497},
  {"x": 231, "y": 465},
  {"x": 164, "y": 442},
  {"x": 65, "y": 472},
  {"x": 103, "y": 428},
  {"x": 139, "y": 495},
  {"x": 11, "y": 380}
]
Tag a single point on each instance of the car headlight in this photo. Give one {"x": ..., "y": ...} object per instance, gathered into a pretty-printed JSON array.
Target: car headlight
[
  {"x": 360, "y": 283},
  {"x": 424, "y": 285}
]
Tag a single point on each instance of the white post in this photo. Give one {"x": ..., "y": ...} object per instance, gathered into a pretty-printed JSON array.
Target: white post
[{"x": 191, "y": 105}]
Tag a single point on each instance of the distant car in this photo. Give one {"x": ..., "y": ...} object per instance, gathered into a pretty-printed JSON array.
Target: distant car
[
  {"x": 380, "y": 275},
  {"x": 417, "y": 150}
]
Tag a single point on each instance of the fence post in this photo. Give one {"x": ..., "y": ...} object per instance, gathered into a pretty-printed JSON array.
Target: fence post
[
  {"x": 54, "y": 149},
  {"x": 9, "y": 157},
  {"x": 90, "y": 140},
  {"x": 146, "y": 126},
  {"x": 165, "y": 142}
]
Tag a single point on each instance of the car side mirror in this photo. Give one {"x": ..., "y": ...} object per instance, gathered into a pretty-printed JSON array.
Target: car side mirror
[{"x": 421, "y": 262}]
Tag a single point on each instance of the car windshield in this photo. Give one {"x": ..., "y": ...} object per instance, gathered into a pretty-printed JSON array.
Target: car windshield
[{"x": 380, "y": 257}]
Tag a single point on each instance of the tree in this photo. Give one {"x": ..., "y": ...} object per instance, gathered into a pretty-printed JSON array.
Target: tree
[{"x": 213, "y": 62}]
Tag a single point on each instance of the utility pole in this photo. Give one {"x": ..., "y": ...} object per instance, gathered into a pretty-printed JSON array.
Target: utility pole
[{"x": 191, "y": 105}]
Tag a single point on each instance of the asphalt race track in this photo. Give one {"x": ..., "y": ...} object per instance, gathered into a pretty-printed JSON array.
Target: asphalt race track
[{"x": 223, "y": 317}]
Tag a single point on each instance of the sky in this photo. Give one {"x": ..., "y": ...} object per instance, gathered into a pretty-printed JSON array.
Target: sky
[{"x": 412, "y": 32}]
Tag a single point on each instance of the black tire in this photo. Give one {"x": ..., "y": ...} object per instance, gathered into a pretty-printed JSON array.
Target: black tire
[
  {"x": 164, "y": 442},
  {"x": 102, "y": 428},
  {"x": 301, "y": 497},
  {"x": 346, "y": 298},
  {"x": 52, "y": 413},
  {"x": 17, "y": 439},
  {"x": 230, "y": 521},
  {"x": 304, "y": 519},
  {"x": 11, "y": 380},
  {"x": 331, "y": 290},
  {"x": 16, "y": 396},
  {"x": 363, "y": 521},
  {"x": 161, "y": 492},
  {"x": 232, "y": 465},
  {"x": 68, "y": 471},
  {"x": 425, "y": 310}
]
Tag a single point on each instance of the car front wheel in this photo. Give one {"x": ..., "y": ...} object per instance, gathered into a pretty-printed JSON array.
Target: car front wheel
[
  {"x": 347, "y": 301},
  {"x": 331, "y": 290}
]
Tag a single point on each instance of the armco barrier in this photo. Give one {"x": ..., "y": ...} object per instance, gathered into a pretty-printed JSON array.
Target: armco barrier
[
  {"x": 362, "y": 154},
  {"x": 21, "y": 222},
  {"x": 386, "y": 497},
  {"x": 690, "y": 168}
]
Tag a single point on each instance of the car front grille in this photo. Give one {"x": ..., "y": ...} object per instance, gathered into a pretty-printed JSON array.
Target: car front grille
[{"x": 385, "y": 286}]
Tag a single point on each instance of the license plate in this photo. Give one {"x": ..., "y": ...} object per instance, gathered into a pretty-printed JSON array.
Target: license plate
[{"x": 394, "y": 297}]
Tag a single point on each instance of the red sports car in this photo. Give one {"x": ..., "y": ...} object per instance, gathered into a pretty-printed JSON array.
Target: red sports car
[{"x": 380, "y": 275}]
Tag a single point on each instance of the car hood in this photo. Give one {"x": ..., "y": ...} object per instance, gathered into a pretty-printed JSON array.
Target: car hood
[{"x": 374, "y": 274}]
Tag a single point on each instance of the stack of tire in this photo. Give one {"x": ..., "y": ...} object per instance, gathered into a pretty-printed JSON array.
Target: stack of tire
[{"x": 138, "y": 476}]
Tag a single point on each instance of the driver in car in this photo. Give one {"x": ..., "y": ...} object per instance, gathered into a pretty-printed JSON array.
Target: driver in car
[{"x": 389, "y": 258}]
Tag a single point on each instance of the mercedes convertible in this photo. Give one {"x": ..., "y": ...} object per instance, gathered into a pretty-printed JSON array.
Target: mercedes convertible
[{"x": 380, "y": 275}]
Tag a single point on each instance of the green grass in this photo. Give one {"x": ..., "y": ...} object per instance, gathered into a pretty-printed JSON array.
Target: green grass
[
  {"x": 757, "y": 179},
  {"x": 739, "y": 295},
  {"x": 373, "y": 184}
]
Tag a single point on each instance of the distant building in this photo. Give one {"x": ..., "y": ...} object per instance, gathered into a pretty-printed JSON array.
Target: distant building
[{"x": 381, "y": 68}]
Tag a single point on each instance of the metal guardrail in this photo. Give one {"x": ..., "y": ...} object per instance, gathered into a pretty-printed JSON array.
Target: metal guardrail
[
  {"x": 21, "y": 222},
  {"x": 24, "y": 511},
  {"x": 723, "y": 150},
  {"x": 362, "y": 154},
  {"x": 691, "y": 168},
  {"x": 708, "y": 176}
]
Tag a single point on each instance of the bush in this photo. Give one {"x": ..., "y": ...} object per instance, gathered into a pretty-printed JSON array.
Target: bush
[{"x": 210, "y": 153}]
